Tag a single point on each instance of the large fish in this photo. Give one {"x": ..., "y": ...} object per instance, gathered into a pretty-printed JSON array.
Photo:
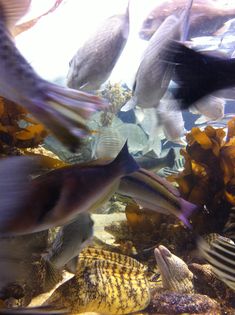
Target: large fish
[
  {"x": 153, "y": 77},
  {"x": 196, "y": 74},
  {"x": 155, "y": 193},
  {"x": 56, "y": 198},
  {"x": 69, "y": 241},
  {"x": 94, "y": 61},
  {"x": 61, "y": 110},
  {"x": 220, "y": 254},
  {"x": 206, "y": 16}
]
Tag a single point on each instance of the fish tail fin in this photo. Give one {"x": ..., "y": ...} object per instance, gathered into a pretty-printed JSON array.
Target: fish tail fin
[
  {"x": 125, "y": 161},
  {"x": 170, "y": 158},
  {"x": 129, "y": 105},
  {"x": 195, "y": 73},
  {"x": 64, "y": 112},
  {"x": 52, "y": 275},
  {"x": 188, "y": 209}
]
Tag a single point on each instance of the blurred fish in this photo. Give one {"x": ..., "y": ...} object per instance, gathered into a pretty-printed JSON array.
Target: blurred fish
[
  {"x": 206, "y": 17},
  {"x": 61, "y": 110},
  {"x": 157, "y": 194},
  {"x": 153, "y": 77},
  {"x": 171, "y": 120},
  {"x": 69, "y": 241},
  {"x": 46, "y": 310},
  {"x": 151, "y": 162},
  {"x": 210, "y": 107},
  {"x": 108, "y": 143},
  {"x": 220, "y": 254},
  {"x": 94, "y": 61},
  {"x": 197, "y": 74},
  {"x": 57, "y": 197}
]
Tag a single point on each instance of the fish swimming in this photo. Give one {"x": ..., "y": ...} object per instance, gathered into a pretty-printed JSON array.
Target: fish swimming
[
  {"x": 210, "y": 107},
  {"x": 69, "y": 241},
  {"x": 196, "y": 74},
  {"x": 152, "y": 77},
  {"x": 94, "y": 61},
  {"x": 151, "y": 162},
  {"x": 170, "y": 119},
  {"x": 56, "y": 198},
  {"x": 63, "y": 111},
  {"x": 220, "y": 254},
  {"x": 206, "y": 17},
  {"x": 155, "y": 193}
]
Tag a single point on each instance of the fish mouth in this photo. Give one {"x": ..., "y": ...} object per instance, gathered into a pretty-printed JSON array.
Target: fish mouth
[{"x": 162, "y": 255}]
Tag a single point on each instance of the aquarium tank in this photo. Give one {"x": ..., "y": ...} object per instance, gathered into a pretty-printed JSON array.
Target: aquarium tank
[{"x": 117, "y": 157}]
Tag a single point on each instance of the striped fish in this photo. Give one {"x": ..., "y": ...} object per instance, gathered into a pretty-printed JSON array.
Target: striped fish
[{"x": 220, "y": 254}]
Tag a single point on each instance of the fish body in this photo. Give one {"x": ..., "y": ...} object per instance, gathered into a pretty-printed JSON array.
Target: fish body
[
  {"x": 94, "y": 61},
  {"x": 69, "y": 241},
  {"x": 61, "y": 110},
  {"x": 210, "y": 107},
  {"x": 171, "y": 119},
  {"x": 155, "y": 193},
  {"x": 154, "y": 163},
  {"x": 57, "y": 197},
  {"x": 220, "y": 254},
  {"x": 174, "y": 271},
  {"x": 105, "y": 282},
  {"x": 108, "y": 143},
  {"x": 197, "y": 74},
  {"x": 206, "y": 17},
  {"x": 151, "y": 79}
]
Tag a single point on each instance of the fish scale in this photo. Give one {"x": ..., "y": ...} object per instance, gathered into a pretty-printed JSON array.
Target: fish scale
[{"x": 110, "y": 283}]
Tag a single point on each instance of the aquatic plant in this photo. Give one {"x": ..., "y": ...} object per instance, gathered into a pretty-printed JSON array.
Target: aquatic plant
[
  {"x": 17, "y": 128},
  {"x": 209, "y": 174}
]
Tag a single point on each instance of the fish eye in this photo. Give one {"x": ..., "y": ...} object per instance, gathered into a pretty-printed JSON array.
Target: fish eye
[{"x": 148, "y": 23}]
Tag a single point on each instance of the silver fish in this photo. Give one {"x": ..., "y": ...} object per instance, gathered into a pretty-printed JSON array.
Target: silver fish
[
  {"x": 31, "y": 205},
  {"x": 220, "y": 254},
  {"x": 152, "y": 78},
  {"x": 94, "y": 61},
  {"x": 171, "y": 119},
  {"x": 63, "y": 111},
  {"x": 210, "y": 107},
  {"x": 155, "y": 193},
  {"x": 69, "y": 241}
]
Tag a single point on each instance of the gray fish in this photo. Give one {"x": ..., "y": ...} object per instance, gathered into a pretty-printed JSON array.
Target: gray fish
[
  {"x": 220, "y": 254},
  {"x": 206, "y": 17},
  {"x": 152, "y": 78},
  {"x": 70, "y": 240},
  {"x": 31, "y": 205},
  {"x": 94, "y": 61},
  {"x": 154, "y": 163},
  {"x": 63, "y": 111}
]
